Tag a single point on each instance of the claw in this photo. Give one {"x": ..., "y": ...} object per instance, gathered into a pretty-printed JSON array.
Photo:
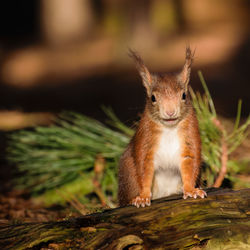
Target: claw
[
  {"x": 196, "y": 192},
  {"x": 148, "y": 202},
  {"x": 141, "y": 201}
]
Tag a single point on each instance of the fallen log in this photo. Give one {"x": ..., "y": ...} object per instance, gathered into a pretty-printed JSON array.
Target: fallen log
[{"x": 220, "y": 221}]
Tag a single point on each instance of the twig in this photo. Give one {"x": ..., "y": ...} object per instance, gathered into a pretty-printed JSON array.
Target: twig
[
  {"x": 224, "y": 154},
  {"x": 73, "y": 202},
  {"x": 98, "y": 169}
]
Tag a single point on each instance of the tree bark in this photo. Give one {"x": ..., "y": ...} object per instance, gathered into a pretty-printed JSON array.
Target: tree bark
[{"x": 220, "y": 221}]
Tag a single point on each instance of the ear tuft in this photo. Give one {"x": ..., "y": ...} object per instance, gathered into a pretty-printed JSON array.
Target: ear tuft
[
  {"x": 189, "y": 57},
  {"x": 185, "y": 73},
  {"x": 142, "y": 69},
  {"x": 135, "y": 56}
]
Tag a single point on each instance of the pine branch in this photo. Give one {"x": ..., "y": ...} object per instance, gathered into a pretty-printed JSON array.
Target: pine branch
[{"x": 63, "y": 156}]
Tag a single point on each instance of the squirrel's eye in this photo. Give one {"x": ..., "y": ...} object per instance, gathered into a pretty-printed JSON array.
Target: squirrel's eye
[
  {"x": 153, "y": 99},
  {"x": 184, "y": 96}
]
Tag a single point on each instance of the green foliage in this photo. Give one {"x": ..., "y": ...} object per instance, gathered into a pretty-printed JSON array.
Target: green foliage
[
  {"x": 62, "y": 158},
  {"x": 64, "y": 154},
  {"x": 211, "y": 136}
]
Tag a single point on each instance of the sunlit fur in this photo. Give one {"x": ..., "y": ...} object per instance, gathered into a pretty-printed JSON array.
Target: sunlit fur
[
  {"x": 168, "y": 91},
  {"x": 164, "y": 155}
]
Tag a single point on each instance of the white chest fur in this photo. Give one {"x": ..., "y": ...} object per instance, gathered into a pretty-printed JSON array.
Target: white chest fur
[{"x": 167, "y": 178}]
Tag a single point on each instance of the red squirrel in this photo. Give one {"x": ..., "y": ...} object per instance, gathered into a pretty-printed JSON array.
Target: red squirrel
[{"x": 164, "y": 155}]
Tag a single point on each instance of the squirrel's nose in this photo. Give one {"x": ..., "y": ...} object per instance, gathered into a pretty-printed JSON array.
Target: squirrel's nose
[{"x": 170, "y": 113}]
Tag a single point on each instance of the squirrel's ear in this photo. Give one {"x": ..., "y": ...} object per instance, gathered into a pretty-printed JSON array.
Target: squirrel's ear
[
  {"x": 143, "y": 71},
  {"x": 185, "y": 73}
]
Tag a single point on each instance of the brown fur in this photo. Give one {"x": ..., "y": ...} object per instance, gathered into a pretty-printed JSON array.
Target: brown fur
[
  {"x": 136, "y": 170},
  {"x": 136, "y": 165},
  {"x": 191, "y": 150}
]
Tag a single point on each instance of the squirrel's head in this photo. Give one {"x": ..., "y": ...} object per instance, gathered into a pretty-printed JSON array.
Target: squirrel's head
[{"x": 168, "y": 97}]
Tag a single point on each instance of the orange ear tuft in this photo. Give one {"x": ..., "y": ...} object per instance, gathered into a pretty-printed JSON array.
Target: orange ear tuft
[
  {"x": 185, "y": 73},
  {"x": 143, "y": 71}
]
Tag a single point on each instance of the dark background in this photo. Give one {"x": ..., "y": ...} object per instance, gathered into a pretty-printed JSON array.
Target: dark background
[
  {"x": 72, "y": 55},
  {"x": 33, "y": 80}
]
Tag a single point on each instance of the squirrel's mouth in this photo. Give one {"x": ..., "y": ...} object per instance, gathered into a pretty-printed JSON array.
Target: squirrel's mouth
[{"x": 170, "y": 121}]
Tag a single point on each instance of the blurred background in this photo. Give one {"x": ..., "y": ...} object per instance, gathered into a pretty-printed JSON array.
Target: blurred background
[
  {"x": 61, "y": 54},
  {"x": 72, "y": 55}
]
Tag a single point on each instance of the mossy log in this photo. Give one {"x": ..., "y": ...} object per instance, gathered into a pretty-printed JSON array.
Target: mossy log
[{"x": 220, "y": 221}]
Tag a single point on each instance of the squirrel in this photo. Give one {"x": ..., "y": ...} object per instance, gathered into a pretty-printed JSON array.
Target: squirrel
[{"x": 164, "y": 155}]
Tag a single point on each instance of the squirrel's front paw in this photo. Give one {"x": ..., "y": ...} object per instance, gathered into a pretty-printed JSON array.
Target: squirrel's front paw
[
  {"x": 194, "y": 193},
  {"x": 139, "y": 201}
]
